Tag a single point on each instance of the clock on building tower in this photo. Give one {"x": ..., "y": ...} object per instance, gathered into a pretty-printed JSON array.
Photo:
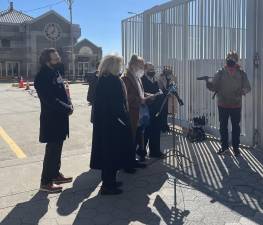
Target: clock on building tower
[{"x": 52, "y": 31}]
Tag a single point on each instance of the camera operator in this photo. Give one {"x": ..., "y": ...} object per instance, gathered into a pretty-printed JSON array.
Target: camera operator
[{"x": 230, "y": 84}]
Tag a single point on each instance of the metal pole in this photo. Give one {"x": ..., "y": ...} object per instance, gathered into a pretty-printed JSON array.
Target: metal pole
[{"x": 70, "y": 2}]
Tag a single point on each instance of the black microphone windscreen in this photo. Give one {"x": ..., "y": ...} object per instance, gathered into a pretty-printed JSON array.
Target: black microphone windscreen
[{"x": 202, "y": 78}]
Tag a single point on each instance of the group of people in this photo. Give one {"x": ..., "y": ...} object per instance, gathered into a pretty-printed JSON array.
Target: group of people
[
  {"x": 124, "y": 106},
  {"x": 125, "y": 114}
]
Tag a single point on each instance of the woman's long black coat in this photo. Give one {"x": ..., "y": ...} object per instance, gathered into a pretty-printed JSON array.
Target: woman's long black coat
[
  {"x": 54, "y": 117},
  {"x": 112, "y": 143}
]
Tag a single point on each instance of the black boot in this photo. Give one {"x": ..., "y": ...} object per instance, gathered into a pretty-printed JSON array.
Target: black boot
[{"x": 110, "y": 191}]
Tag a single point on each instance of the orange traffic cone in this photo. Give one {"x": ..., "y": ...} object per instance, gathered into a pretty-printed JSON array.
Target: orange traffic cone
[
  {"x": 21, "y": 83},
  {"x": 27, "y": 86},
  {"x": 67, "y": 89}
]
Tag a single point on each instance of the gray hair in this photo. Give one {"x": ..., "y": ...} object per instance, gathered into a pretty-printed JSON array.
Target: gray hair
[
  {"x": 110, "y": 64},
  {"x": 135, "y": 61}
]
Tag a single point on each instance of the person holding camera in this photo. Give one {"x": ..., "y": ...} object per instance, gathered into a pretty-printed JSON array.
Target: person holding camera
[
  {"x": 56, "y": 107},
  {"x": 230, "y": 84}
]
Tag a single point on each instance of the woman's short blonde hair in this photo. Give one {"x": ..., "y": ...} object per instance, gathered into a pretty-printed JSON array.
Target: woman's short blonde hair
[{"x": 111, "y": 64}]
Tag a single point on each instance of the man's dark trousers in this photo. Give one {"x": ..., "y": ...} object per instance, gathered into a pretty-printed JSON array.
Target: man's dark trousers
[
  {"x": 235, "y": 117},
  {"x": 52, "y": 162},
  {"x": 152, "y": 136}
]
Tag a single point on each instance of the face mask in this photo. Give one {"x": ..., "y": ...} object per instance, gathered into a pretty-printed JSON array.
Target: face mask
[
  {"x": 151, "y": 74},
  {"x": 230, "y": 63},
  {"x": 169, "y": 77},
  {"x": 121, "y": 72},
  {"x": 56, "y": 66},
  {"x": 140, "y": 73}
]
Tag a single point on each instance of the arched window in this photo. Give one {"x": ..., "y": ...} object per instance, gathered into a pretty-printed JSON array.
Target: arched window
[{"x": 85, "y": 51}]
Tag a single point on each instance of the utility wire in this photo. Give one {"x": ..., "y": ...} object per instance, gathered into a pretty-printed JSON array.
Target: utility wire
[{"x": 46, "y": 6}]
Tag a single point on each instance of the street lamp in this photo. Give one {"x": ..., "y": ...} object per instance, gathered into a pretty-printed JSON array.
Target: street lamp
[{"x": 70, "y": 3}]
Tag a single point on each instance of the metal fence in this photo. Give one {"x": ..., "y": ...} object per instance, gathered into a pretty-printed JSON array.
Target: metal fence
[{"x": 194, "y": 36}]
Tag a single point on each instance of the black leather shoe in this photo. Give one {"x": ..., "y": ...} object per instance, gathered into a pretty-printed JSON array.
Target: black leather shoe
[
  {"x": 110, "y": 191},
  {"x": 159, "y": 155},
  {"x": 139, "y": 165},
  {"x": 130, "y": 170},
  {"x": 236, "y": 152},
  {"x": 118, "y": 184},
  {"x": 142, "y": 159}
]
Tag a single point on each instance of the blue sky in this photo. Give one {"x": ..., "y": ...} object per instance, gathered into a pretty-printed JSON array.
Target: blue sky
[{"x": 100, "y": 20}]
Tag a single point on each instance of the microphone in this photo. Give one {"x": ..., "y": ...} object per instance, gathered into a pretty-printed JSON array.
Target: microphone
[{"x": 203, "y": 78}]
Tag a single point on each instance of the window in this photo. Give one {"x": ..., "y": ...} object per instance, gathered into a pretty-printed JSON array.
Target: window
[
  {"x": 83, "y": 68},
  {"x": 29, "y": 67},
  {"x": 85, "y": 51},
  {"x": 6, "y": 43},
  {"x": 13, "y": 69}
]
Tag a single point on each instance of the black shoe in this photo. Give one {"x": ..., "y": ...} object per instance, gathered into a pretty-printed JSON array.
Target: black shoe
[
  {"x": 142, "y": 159},
  {"x": 141, "y": 153},
  {"x": 236, "y": 152},
  {"x": 222, "y": 151},
  {"x": 130, "y": 170},
  {"x": 139, "y": 165},
  {"x": 118, "y": 184},
  {"x": 110, "y": 191},
  {"x": 61, "y": 179},
  {"x": 159, "y": 155},
  {"x": 166, "y": 129},
  {"x": 50, "y": 188}
]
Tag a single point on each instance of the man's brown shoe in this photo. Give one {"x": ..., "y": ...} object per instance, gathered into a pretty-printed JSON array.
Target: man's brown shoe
[
  {"x": 61, "y": 179},
  {"x": 50, "y": 188}
]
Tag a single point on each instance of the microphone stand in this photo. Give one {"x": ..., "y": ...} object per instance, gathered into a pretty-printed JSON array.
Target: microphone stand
[{"x": 175, "y": 152}]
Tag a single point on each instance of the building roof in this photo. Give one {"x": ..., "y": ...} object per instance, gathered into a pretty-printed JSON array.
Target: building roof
[
  {"x": 13, "y": 16},
  {"x": 87, "y": 42}
]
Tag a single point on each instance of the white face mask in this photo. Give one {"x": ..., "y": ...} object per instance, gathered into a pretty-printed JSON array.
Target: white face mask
[
  {"x": 121, "y": 72},
  {"x": 140, "y": 73}
]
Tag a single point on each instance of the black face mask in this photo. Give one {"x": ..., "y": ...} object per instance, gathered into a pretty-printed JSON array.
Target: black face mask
[
  {"x": 56, "y": 66},
  {"x": 151, "y": 74},
  {"x": 230, "y": 63}
]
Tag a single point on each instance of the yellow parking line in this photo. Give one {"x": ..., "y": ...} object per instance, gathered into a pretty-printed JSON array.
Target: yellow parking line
[{"x": 15, "y": 148}]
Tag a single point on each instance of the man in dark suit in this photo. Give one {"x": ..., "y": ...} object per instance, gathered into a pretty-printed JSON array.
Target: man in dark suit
[
  {"x": 153, "y": 131},
  {"x": 56, "y": 107},
  {"x": 93, "y": 81}
]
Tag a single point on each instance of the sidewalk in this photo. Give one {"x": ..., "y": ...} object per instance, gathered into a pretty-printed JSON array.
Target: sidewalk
[{"x": 201, "y": 189}]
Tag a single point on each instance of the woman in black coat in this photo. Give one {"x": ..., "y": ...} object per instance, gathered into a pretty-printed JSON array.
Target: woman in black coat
[{"x": 112, "y": 143}]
